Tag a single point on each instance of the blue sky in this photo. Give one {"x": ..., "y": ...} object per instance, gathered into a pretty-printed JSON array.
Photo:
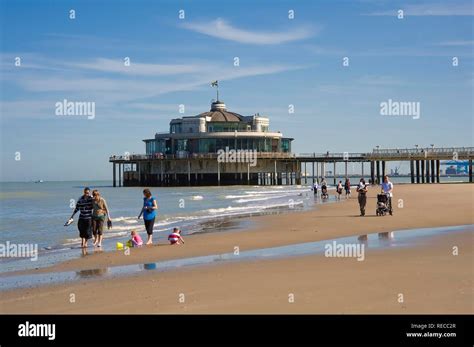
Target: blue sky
[{"x": 282, "y": 61}]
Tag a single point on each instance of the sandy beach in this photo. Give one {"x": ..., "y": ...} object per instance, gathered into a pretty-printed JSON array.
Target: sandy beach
[{"x": 430, "y": 278}]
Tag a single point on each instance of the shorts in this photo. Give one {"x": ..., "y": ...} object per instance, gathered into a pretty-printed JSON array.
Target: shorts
[
  {"x": 149, "y": 225},
  {"x": 97, "y": 226},
  {"x": 85, "y": 228}
]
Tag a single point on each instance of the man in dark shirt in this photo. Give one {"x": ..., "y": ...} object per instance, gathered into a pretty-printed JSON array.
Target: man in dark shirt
[{"x": 84, "y": 224}]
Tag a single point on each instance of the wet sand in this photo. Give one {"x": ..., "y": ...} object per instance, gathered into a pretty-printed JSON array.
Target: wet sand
[{"x": 430, "y": 277}]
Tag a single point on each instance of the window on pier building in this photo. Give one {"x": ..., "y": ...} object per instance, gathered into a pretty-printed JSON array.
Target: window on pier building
[
  {"x": 285, "y": 145},
  {"x": 150, "y": 147},
  {"x": 182, "y": 145},
  {"x": 175, "y": 128},
  {"x": 226, "y": 126}
]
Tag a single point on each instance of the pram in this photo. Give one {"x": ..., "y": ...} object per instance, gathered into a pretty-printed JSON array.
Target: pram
[{"x": 384, "y": 205}]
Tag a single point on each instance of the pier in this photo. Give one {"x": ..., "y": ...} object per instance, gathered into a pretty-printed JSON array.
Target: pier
[{"x": 277, "y": 168}]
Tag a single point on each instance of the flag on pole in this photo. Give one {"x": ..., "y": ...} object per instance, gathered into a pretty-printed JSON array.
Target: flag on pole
[{"x": 215, "y": 83}]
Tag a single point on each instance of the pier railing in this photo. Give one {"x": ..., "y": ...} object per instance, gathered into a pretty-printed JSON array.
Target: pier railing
[
  {"x": 161, "y": 156},
  {"x": 422, "y": 153},
  {"x": 447, "y": 153}
]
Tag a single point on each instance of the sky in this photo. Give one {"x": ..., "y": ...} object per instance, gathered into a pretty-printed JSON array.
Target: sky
[{"x": 335, "y": 62}]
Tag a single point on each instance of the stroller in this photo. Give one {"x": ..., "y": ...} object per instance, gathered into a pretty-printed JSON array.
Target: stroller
[
  {"x": 324, "y": 192},
  {"x": 383, "y": 205}
]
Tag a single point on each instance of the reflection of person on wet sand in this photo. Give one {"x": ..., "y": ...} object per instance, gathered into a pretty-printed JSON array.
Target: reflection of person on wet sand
[{"x": 92, "y": 272}]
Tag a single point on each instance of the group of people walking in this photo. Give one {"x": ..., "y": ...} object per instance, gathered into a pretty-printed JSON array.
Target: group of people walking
[
  {"x": 339, "y": 188},
  {"x": 386, "y": 188},
  {"x": 361, "y": 189},
  {"x": 94, "y": 212}
]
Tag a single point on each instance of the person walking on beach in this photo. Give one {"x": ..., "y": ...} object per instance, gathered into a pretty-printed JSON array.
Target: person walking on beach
[
  {"x": 315, "y": 188},
  {"x": 149, "y": 214},
  {"x": 362, "y": 197},
  {"x": 84, "y": 224},
  {"x": 324, "y": 189},
  {"x": 339, "y": 190},
  {"x": 387, "y": 188},
  {"x": 99, "y": 214},
  {"x": 347, "y": 188}
]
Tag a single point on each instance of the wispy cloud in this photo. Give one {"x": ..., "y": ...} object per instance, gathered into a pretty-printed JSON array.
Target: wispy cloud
[
  {"x": 431, "y": 9},
  {"x": 110, "y": 84},
  {"x": 457, "y": 43},
  {"x": 118, "y": 66},
  {"x": 221, "y": 29}
]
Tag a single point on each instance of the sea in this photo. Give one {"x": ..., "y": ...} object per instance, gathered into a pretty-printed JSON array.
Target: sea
[{"x": 35, "y": 213}]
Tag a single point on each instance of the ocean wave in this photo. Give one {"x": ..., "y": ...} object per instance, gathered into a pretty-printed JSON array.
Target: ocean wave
[
  {"x": 253, "y": 208},
  {"x": 258, "y": 194},
  {"x": 241, "y": 201},
  {"x": 197, "y": 197}
]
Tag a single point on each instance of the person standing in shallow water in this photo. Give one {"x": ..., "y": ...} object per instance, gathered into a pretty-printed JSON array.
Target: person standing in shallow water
[
  {"x": 362, "y": 197},
  {"x": 347, "y": 188},
  {"x": 99, "y": 214},
  {"x": 84, "y": 224},
  {"x": 149, "y": 214}
]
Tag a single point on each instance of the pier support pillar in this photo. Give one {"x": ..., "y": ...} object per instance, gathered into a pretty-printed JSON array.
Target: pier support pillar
[
  {"x": 189, "y": 172},
  {"x": 470, "y": 170},
  {"x": 362, "y": 169},
  {"x": 218, "y": 174},
  {"x": 417, "y": 171},
  {"x": 138, "y": 166},
  {"x": 317, "y": 172},
  {"x": 437, "y": 170},
  {"x": 276, "y": 172},
  {"x": 372, "y": 172},
  {"x": 433, "y": 180},
  {"x": 427, "y": 171},
  {"x": 313, "y": 173},
  {"x": 120, "y": 174},
  {"x": 378, "y": 172},
  {"x": 345, "y": 169},
  {"x": 305, "y": 174},
  {"x": 412, "y": 171},
  {"x": 383, "y": 169},
  {"x": 248, "y": 173},
  {"x": 422, "y": 171},
  {"x": 113, "y": 175},
  {"x": 334, "y": 174}
]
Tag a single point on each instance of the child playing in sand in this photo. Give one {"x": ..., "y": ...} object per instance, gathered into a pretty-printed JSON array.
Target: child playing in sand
[
  {"x": 175, "y": 237},
  {"x": 136, "y": 239}
]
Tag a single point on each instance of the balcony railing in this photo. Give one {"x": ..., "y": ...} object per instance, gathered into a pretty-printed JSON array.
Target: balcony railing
[{"x": 138, "y": 157}]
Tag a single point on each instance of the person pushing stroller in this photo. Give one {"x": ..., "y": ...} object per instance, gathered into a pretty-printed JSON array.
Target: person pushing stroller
[{"x": 387, "y": 190}]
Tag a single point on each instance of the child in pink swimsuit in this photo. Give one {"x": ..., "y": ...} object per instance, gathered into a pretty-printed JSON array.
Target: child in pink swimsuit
[{"x": 136, "y": 239}]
